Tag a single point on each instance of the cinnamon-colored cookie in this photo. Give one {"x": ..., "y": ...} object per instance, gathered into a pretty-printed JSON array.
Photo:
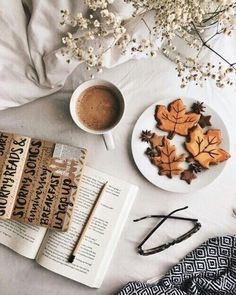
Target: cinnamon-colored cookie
[
  {"x": 175, "y": 118},
  {"x": 204, "y": 147},
  {"x": 167, "y": 160}
]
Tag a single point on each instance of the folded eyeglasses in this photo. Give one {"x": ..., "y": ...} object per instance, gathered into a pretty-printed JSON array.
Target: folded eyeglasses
[{"x": 162, "y": 247}]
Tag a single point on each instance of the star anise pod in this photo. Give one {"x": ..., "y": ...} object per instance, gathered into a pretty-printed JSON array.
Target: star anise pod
[
  {"x": 204, "y": 121},
  {"x": 198, "y": 107},
  {"x": 195, "y": 167},
  {"x": 152, "y": 152},
  {"x": 146, "y": 135}
]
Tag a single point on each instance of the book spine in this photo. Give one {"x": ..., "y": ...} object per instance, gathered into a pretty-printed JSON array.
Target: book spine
[
  {"x": 41, "y": 182},
  {"x": 50, "y": 198},
  {"x": 75, "y": 192},
  {"x": 70, "y": 187},
  {"x": 66, "y": 200},
  {"x": 11, "y": 172},
  {"x": 27, "y": 182},
  {"x": 5, "y": 143}
]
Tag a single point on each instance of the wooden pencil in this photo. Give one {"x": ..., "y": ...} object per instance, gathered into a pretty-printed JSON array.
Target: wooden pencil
[{"x": 88, "y": 222}]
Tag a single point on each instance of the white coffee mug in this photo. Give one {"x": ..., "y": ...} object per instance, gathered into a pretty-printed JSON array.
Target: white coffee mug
[{"x": 106, "y": 133}]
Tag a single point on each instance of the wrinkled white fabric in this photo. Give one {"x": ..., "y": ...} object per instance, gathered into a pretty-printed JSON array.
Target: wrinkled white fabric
[{"x": 31, "y": 63}]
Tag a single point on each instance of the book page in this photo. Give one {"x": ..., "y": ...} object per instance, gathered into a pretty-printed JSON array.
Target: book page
[
  {"x": 23, "y": 239},
  {"x": 105, "y": 225}
]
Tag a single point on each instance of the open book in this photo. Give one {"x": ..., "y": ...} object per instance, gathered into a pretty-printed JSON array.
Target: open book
[
  {"x": 38, "y": 180},
  {"x": 51, "y": 249}
]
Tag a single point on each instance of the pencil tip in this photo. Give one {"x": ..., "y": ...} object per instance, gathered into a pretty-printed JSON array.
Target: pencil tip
[{"x": 71, "y": 258}]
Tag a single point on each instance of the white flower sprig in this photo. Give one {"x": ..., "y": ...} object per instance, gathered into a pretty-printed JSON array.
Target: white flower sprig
[
  {"x": 101, "y": 29},
  {"x": 88, "y": 43}
]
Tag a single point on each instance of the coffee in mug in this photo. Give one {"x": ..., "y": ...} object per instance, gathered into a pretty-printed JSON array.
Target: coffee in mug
[{"x": 98, "y": 108}]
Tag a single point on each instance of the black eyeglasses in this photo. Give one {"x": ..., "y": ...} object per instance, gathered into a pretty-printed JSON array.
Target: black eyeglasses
[{"x": 162, "y": 247}]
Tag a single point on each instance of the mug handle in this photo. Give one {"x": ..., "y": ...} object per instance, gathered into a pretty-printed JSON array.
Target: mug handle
[{"x": 109, "y": 141}]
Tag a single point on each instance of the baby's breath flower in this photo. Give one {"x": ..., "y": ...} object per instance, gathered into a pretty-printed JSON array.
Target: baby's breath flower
[
  {"x": 153, "y": 53},
  {"x": 104, "y": 13},
  {"x": 90, "y": 49},
  {"x": 182, "y": 19},
  {"x": 96, "y": 23}
]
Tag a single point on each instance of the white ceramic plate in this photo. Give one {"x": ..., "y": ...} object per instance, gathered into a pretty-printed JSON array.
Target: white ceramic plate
[{"x": 147, "y": 122}]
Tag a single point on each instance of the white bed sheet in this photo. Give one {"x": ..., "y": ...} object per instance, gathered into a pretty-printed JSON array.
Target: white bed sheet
[{"x": 142, "y": 83}]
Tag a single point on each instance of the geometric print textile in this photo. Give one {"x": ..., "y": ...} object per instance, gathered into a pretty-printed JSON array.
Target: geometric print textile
[{"x": 210, "y": 269}]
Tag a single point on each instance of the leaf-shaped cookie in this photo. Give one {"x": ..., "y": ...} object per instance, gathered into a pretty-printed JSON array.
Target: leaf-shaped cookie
[
  {"x": 204, "y": 147},
  {"x": 168, "y": 162},
  {"x": 175, "y": 119}
]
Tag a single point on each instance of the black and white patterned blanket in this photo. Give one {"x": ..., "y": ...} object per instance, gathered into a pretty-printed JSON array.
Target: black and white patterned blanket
[{"x": 210, "y": 269}]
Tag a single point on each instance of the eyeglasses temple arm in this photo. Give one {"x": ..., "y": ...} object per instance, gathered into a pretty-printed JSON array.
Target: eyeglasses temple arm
[
  {"x": 163, "y": 216},
  {"x": 158, "y": 225}
]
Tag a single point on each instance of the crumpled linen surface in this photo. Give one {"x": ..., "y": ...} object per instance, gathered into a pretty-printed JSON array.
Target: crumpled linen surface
[
  {"x": 31, "y": 63},
  {"x": 210, "y": 269}
]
